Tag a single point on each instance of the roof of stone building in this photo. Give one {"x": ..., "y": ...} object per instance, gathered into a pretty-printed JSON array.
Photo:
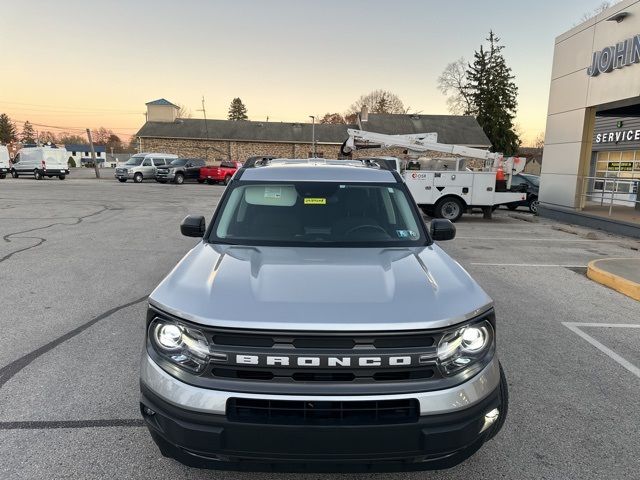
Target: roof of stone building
[
  {"x": 161, "y": 101},
  {"x": 452, "y": 129}
]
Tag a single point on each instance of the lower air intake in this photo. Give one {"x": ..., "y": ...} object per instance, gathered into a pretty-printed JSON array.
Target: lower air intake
[{"x": 291, "y": 412}]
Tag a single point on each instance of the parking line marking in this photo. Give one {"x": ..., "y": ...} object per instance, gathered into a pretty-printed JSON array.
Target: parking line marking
[
  {"x": 54, "y": 424},
  {"x": 574, "y": 327},
  {"x": 526, "y": 265},
  {"x": 513, "y": 239}
]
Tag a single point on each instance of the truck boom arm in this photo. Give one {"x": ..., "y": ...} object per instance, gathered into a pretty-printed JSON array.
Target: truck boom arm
[
  {"x": 424, "y": 142},
  {"x": 417, "y": 143}
]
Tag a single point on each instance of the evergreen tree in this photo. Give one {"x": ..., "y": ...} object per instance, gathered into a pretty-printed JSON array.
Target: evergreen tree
[
  {"x": 7, "y": 129},
  {"x": 28, "y": 134},
  {"x": 237, "y": 110},
  {"x": 494, "y": 96}
]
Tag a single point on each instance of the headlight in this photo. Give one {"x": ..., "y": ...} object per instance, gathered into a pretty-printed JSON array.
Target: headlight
[
  {"x": 183, "y": 346},
  {"x": 464, "y": 347}
]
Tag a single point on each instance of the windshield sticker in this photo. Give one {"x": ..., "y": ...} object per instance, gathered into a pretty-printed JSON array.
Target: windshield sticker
[
  {"x": 406, "y": 234},
  {"x": 270, "y": 192},
  {"x": 315, "y": 201}
]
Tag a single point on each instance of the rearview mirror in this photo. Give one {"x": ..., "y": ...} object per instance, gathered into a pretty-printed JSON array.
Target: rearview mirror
[
  {"x": 193, "y": 226},
  {"x": 442, "y": 229}
]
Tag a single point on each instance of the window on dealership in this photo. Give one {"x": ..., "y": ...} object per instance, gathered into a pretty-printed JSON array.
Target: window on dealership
[{"x": 615, "y": 178}]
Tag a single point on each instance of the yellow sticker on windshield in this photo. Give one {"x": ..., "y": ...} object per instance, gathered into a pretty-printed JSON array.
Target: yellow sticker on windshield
[{"x": 315, "y": 201}]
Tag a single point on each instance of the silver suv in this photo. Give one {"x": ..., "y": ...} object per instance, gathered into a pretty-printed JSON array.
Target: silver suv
[
  {"x": 142, "y": 166},
  {"x": 316, "y": 324}
]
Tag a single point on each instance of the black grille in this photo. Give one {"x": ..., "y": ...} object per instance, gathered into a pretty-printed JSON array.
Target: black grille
[
  {"x": 416, "y": 346},
  {"x": 291, "y": 412},
  {"x": 301, "y": 375},
  {"x": 337, "y": 342}
]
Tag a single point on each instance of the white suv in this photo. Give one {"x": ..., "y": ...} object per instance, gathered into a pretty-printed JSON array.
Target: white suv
[{"x": 316, "y": 324}]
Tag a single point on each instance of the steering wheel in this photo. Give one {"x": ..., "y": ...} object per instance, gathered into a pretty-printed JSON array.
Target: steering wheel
[{"x": 362, "y": 227}]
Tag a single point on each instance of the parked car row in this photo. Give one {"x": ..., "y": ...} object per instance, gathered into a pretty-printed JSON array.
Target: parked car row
[{"x": 165, "y": 168}]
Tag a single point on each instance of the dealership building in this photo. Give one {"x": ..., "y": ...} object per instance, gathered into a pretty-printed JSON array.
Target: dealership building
[{"x": 591, "y": 165}]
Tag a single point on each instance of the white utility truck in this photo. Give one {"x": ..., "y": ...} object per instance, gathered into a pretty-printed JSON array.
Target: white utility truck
[
  {"x": 4, "y": 161},
  {"x": 41, "y": 162},
  {"x": 445, "y": 188}
]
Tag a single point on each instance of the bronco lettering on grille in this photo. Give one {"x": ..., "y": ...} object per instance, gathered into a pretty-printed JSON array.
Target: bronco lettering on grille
[{"x": 324, "y": 361}]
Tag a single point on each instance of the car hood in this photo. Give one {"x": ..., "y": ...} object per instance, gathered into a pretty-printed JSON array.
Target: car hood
[{"x": 320, "y": 289}]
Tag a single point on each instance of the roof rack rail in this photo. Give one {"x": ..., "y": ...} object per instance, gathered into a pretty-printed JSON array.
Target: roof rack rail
[
  {"x": 258, "y": 161},
  {"x": 381, "y": 163}
]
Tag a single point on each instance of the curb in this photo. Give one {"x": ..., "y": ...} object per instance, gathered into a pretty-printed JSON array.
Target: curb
[{"x": 615, "y": 282}]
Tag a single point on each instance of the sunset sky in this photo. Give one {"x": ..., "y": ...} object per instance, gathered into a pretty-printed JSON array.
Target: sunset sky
[{"x": 74, "y": 64}]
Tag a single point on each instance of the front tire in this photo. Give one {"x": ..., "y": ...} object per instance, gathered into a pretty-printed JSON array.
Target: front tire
[
  {"x": 61, "y": 177},
  {"x": 137, "y": 178},
  {"x": 3, "y": 176},
  {"x": 533, "y": 205},
  {"x": 449, "y": 208},
  {"x": 37, "y": 175},
  {"x": 210, "y": 182},
  {"x": 122, "y": 180},
  {"x": 179, "y": 180}
]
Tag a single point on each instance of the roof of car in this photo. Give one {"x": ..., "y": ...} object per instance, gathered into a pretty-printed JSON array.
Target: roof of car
[{"x": 317, "y": 170}]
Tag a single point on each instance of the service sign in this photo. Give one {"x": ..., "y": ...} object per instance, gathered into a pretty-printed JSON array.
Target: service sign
[{"x": 632, "y": 135}]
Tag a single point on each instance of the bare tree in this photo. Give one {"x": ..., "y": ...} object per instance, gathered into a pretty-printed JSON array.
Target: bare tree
[
  {"x": 538, "y": 142},
  {"x": 47, "y": 136},
  {"x": 183, "y": 112},
  {"x": 66, "y": 138},
  {"x": 453, "y": 82},
  {"x": 101, "y": 136},
  {"x": 332, "y": 118},
  {"x": 596, "y": 11},
  {"x": 378, "y": 101}
]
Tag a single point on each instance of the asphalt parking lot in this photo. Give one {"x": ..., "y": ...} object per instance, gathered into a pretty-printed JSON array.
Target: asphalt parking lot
[{"x": 79, "y": 257}]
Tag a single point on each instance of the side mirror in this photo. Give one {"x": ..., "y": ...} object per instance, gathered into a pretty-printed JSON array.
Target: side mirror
[
  {"x": 442, "y": 229},
  {"x": 193, "y": 226}
]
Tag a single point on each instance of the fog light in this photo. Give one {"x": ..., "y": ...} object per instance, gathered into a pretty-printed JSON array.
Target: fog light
[
  {"x": 490, "y": 418},
  {"x": 148, "y": 412}
]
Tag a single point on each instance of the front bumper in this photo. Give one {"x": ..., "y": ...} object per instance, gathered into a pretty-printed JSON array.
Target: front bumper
[
  {"x": 166, "y": 176},
  {"x": 192, "y": 426},
  {"x": 126, "y": 175}
]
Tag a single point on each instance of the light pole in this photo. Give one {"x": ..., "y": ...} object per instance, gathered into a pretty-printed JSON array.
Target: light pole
[{"x": 313, "y": 135}]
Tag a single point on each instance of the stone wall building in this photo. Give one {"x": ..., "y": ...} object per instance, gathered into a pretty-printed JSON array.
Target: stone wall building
[{"x": 216, "y": 140}]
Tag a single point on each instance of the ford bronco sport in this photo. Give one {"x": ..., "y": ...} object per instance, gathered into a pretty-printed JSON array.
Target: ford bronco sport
[{"x": 316, "y": 325}]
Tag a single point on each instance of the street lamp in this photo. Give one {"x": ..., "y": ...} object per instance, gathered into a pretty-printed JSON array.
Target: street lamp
[{"x": 313, "y": 135}]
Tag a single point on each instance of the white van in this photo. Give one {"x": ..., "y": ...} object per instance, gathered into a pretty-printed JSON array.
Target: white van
[
  {"x": 4, "y": 161},
  {"x": 40, "y": 162},
  {"x": 143, "y": 166}
]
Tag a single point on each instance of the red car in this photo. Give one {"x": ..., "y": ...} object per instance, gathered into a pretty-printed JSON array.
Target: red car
[{"x": 221, "y": 174}]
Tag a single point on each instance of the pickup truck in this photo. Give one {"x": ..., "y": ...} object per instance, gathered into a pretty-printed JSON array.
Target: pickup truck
[{"x": 221, "y": 174}]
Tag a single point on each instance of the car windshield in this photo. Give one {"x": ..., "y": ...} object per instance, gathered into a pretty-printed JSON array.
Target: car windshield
[
  {"x": 318, "y": 214},
  {"x": 533, "y": 179},
  {"x": 135, "y": 161},
  {"x": 179, "y": 162}
]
